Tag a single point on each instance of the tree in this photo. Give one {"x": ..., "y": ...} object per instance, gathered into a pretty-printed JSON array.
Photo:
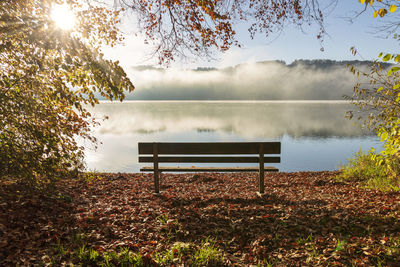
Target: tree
[
  {"x": 383, "y": 9},
  {"x": 181, "y": 27},
  {"x": 378, "y": 97},
  {"x": 47, "y": 77}
]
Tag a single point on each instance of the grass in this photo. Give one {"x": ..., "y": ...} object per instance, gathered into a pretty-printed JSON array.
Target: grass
[
  {"x": 340, "y": 245},
  {"x": 90, "y": 176},
  {"x": 168, "y": 227},
  {"x": 163, "y": 219},
  {"x": 177, "y": 253},
  {"x": 302, "y": 241},
  {"x": 207, "y": 254},
  {"x": 85, "y": 256},
  {"x": 265, "y": 263},
  {"x": 368, "y": 169},
  {"x": 80, "y": 253}
]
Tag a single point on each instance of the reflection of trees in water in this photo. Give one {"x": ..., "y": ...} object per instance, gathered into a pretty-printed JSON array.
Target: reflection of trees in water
[
  {"x": 205, "y": 130},
  {"x": 261, "y": 119}
]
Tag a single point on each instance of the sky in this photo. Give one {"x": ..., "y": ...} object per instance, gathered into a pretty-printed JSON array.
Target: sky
[
  {"x": 289, "y": 45},
  {"x": 252, "y": 81}
]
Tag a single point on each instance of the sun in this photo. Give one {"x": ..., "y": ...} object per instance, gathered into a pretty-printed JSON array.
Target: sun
[{"x": 63, "y": 16}]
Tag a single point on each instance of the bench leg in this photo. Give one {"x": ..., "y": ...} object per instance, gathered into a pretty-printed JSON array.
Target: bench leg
[
  {"x": 156, "y": 172},
  {"x": 261, "y": 170}
]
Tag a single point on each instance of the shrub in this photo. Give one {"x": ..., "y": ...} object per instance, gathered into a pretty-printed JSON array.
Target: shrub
[{"x": 373, "y": 170}]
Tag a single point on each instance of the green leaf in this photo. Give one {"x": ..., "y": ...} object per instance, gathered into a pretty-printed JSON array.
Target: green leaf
[
  {"x": 387, "y": 57},
  {"x": 393, "y": 70},
  {"x": 384, "y": 136}
]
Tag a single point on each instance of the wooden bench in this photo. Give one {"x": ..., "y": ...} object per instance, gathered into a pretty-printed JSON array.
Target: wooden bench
[{"x": 178, "y": 153}]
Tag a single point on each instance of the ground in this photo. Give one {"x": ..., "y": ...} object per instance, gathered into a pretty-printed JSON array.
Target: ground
[{"x": 214, "y": 219}]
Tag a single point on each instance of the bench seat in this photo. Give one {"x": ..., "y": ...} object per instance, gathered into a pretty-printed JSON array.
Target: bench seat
[
  {"x": 209, "y": 152},
  {"x": 209, "y": 169}
]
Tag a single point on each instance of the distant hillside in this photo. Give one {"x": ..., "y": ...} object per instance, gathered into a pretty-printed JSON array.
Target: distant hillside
[{"x": 268, "y": 80}]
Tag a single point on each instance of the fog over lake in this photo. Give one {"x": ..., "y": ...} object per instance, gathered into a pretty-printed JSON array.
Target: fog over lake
[
  {"x": 314, "y": 134},
  {"x": 269, "y": 80}
]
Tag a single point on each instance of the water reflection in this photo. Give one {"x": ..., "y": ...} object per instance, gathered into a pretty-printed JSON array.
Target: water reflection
[
  {"x": 314, "y": 135},
  {"x": 249, "y": 120}
]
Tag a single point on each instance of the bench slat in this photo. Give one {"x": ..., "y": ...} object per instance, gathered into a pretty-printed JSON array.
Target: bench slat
[
  {"x": 211, "y": 148},
  {"x": 210, "y": 159},
  {"x": 209, "y": 169}
]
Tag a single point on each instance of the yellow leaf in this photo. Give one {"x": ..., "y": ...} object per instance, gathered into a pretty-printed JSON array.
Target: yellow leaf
[
  {"x": 392, "y": 8},
  {"x": 382, "y": 12},
  {"x": 375, "y": 13},
  {"x": 361, "y": 1}
]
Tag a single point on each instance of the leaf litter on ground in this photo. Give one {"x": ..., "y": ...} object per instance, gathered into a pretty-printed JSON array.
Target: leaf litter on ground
[{"x": 304, "y": 219}]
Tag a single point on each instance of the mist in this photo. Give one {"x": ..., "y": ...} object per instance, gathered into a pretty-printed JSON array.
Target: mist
[
  {"x": 308, "y": 130},
  {"x": 270, "y": 80},
  {"x": 251, "y": 120}
]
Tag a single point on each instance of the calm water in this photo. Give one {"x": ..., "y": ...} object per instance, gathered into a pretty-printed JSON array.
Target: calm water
[{"x": 314, "y": 134}]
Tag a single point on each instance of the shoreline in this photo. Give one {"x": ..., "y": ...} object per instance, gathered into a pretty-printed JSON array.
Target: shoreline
[{"x": 322, "y": 101}]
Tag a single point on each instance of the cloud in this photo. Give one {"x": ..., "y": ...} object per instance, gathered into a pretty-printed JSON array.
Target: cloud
[{"x": 270, "y": 80}]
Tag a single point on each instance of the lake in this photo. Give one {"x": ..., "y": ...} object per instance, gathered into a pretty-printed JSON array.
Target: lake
[{"x": 314, "y": 134}]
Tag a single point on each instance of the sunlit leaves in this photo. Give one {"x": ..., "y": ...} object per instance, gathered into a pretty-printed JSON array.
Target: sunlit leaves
[
  {"x": 387, "y": 57},
  {"x": 47, "y": 77},
  {"x": 378, "y": 98},
  {"x": 180, "y": 27},
  {"x": 382, "y": 12},
  {"x": 381, "y": 7},
  {"x": 393, "y": 70}
]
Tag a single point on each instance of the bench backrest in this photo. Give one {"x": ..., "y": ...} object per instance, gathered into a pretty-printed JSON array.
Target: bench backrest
[{"x": 206, "y": 148}]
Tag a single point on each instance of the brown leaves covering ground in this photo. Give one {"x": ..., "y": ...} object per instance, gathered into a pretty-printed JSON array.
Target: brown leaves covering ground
[{"x": 305, "y": 218}]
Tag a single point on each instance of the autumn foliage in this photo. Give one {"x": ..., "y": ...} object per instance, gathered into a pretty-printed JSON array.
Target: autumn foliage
[
  {"x": 179, "y": 28},
  {"x": 47, "y": 77},
  {"x": 377, "y": 95}
]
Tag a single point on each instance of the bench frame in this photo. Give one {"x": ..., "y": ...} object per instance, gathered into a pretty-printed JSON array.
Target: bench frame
[{"x": 234, "y": 150}]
